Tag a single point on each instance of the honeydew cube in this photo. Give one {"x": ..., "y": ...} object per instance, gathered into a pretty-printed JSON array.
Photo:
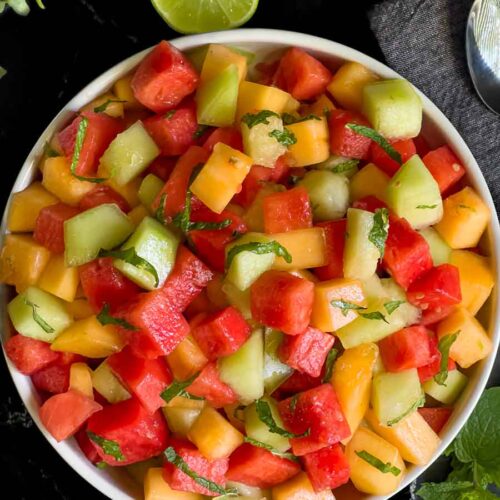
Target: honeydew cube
[
  {"x": 440, "y": 250},
  {"x": 181, "y": 413},
  {"x": 312, "y": 144},
  {"x": 150, "y": 187},
  {"x": 106, "y": 383},
  {"x": 237, "y": 298},
  {"x": 369, "y": 181},
  {"x": 275, "y": 372},
  {"x": 450, "y": 390},
  {"x": 254, "y": 216}
]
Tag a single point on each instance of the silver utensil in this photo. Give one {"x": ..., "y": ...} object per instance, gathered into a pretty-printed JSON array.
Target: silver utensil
[{"x": 482, "y": 44}]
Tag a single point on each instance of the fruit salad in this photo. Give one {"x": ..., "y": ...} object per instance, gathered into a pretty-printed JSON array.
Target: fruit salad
[{"x": 258, "y": 287}]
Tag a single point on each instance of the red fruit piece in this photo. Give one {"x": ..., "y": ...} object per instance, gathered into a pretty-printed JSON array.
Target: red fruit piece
[
  {"x": 369, "y": 203},
  {"x": 327, "y": 468},
  {"x": 335, "y": 242},
  {"x": 407, "y": 348},
  {"x": 213, "y": 470},
  {"x": 54, "y": 378},
  {"x": 287, "y": 211},
  {"x": 432, "y": 316},
  {"x": 103, "y": 284},
  {"x": 306, "y": 352},
  {"x": 101, "y": 195},
  {"x": 29, "y": 355},
  {"x": 229, "y": 136},
  {"x": 343, "y": 140},
  {"x": 138, "y": 434},
  {"x": 407, "y": 254},
  {"x": 406, "y": 148},
  {"x": 297, "y": 382},
  {"x": 436, "y": 417},
  {"x": 283, "y": 301},
  {"x": 162, "y": 167},
  {"x": 428, "y": 371},
  {"x": 208, "y": 385},
  {"x": 145, "y": 378},
  {"x": 49, "y": 226},
  {"x": 86, "y": 446},
  {"x": 318, "y": 412},
  {"x": 259, "y": 467},
  {"x": 421, "y": 145},
  {"x": 164, "y": 77},
  {"x": 63, "y": 414},
  {"x": 444, "y": 166}
]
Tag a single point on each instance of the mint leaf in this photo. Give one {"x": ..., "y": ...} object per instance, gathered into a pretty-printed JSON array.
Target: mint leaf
[
  {"x": 177, "y": 389},
  {"x": 101, "y": 108},
  {"x": 329, "y": 363},
  {"x": 285, "y": 136},
  {"x": 265, "y": 415},
  {"x": 289, "y": 119},
  {"x": 259, "y": 249},
  {"x": 200, "y": 130},
  {"x": 175, "y": 459},
  {"x": 444, "y": 346},
  {"x": 376, "y": 137},
  {"x": 257, "y": 118},
  {"x": 385, "y": 468},
  {"x": 346, "y": 306},
  {"x": 377, "y": 315},
  {"x": 37, "y": 318},
  {"x": 449, "y": 490},
  {"x": 106, "y": 319},
  {"x": 391, "y": 306},
  {"x": 345, "y": 166},
  {"x": 426, "y": 206},
  {"x": 160, "y": 211},
  {"x": 380, "y": 229},
  {"x": 417, "y": 404},
  {"x": 268, "y": 447},
  {"x": 111, "y": 448}
]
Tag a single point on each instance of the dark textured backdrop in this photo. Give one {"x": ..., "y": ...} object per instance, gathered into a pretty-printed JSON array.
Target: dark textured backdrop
[{"x": 50, "y": 55}]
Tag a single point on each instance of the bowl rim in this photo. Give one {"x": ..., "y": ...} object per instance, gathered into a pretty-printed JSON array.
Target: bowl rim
[{"x": 105, "y": 482}]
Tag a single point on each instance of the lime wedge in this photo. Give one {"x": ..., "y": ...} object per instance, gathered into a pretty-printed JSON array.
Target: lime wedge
[{"x": 199, "y": 16}]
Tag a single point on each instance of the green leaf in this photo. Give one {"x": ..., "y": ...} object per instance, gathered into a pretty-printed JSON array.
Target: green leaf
[
  {"x": 417, "y": 404},
  {"x": 345, "y": 166},
  {"x": 168, "y": 115},
  {"x": 130, "y": 256},
  {"x": 102, "y": 107},
  {"x": 79, "y": 140},
  {"x": 265, "y": 415},
  {"x": 377, "y": 315},
  {"x": 106, "y": 319},
  {"x": 329, "y": 363},
  {"x": 101, "y": 465},
  {"x": 160, "y": 211},
  {"x": 200, "y": 130},
  {"x": 259, "y": 249},
  {"x": 49, "y": 151},
  {"x": 449, "y": 490},
  {"x": 209, "y": 226},
  {"x": 392, "y": 305},
  {"x": 37, "y": 318},
  {"x": 380, "y": 230},
  {"x": 40, "y": 4},
  {"x": 111, "y": 448},
  {"x": 385, "y": 468},
  {"x": 285, "y": 136},
  {"x": 444, "y": 346},
  {"x": 426, "y": 206},
  {"x": 274, "y": 451},
  {"x": 289, "y": 119},
  {"x": 3, "y": 72},
  {"x": 346, "y": 306},
  {"x": 257, "y": 118},
  {"x": 177, "y": 389},
  {"x": 376, "y": 137},
  {"x": 175, "y": 459}
]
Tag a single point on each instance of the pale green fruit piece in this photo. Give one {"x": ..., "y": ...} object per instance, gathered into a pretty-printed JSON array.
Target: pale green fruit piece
[
  {"x": 339, "y": 165},
  {"x": 238, "y": 298},
  {"x": 440, "y": 250},
  {"x": 150, "y": 186},
  {"x": 275, "y": 372},
  {"x": 449, "y": 392},
  {"x": 254, "y": 217}
]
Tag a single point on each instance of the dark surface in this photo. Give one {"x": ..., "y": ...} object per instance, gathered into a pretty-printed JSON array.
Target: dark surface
[{"x": 50, "y": 55}]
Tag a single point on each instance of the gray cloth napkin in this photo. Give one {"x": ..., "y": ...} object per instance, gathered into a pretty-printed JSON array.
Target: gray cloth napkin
[{"x": 424, "y": 41}]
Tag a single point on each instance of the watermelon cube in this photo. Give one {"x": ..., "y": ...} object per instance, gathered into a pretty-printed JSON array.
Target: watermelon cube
[
  {"x": 54, "y": 378},
  {"x": 369, "y": 203},
  {"x": 432, "y": 368},
  {"x": 343, "y": 140},
  {"x": 86, "y": 446},
  {"x": 436, "y": 417},
  {"x": 102, "y": 195},
  {"x": 406, "y": 148},
  {"x": 227, "y": 135},
  {"x": 444, "y": 166},
  {"x": 297, "y": 382},
  {"x": 29, "y": 355},
  {"x": 258, "y": 467},
  {"x": 335, "y": 232}
]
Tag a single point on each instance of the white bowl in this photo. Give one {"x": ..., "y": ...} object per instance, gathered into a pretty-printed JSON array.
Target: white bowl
[{"x": 438, "y": 130}]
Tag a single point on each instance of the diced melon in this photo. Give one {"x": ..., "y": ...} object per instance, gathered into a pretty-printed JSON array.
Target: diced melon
[
  {"x": 218, "y": 58},
  {"x": 150, "y": 187},
  {"x": 465, "y": 218},
  {"x": 79, "y": 309},
  {"x": 450, "y": 390},
  {"x": 406, "y": 312},
  {"x": 412, "y": 436},
  {"x": 254, "y": 216},
  {"x": 243, "y": 371},
  {"x": 275, "y": 372},
  {"x": 239, "y": 299},
  {"x": 396, "y": 395},
  {"x": 328, "y": 193},
  {"x": 254, "y": 97},
  {"x": 187, "y": 359},
  {"x": 476, "y": 278},
  {"x": 373, "y": 287},
  {"x": 25, "y": 206},
  {"x": 440, "y": 250},
  {"x": 128, "y": 154},
  {"x": 472, "y": 343},
  {"x": 101, "y": 227},
  {"x": 320, "y": 107},
  {"x": 106, "y": 383},
  {"x": 312, "y": 144},
  {"x": 414, "y": 194},
  {"x": 299, "y": 487},
  {"x": 109, "y": 103},
  {"x": 156, "y": 488},
  {"x": 137, "y": 214},
  {"x": 216, "y": 98},
  {"x": 129, "y": 191},
  {"x": 339, "y": 165},
  {"x": 38, "y": 314},
  {"x": 122, "y": 89},
  {"x": 360, "y": 254},
  {"x": 59, "y": 280},
  {"x": 246, "y": 491},
  {"x": 258, "y": 430},
  {"x": 80, "y": 379},
  {"x": 369, "y": 181},
  {"x": 393, "y": 107}
]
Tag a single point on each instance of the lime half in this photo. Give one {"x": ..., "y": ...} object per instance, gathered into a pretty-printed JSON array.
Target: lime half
[{"x": 199, "y": 16}]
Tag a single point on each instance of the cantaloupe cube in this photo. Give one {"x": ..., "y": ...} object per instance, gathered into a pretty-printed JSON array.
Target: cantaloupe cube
[
  {"x": 312, "y": 144},
  {"x": 218, "y": 58},
  {"x": 186, "y": 359},
  {"x": 328, "y": 317},
  {"x": 320, "y": 107},
  {"x": 365, "y": 476},
  {"x": 221, "y": 177},
  {"x": 106, "y": 383},
  {"x": 53, "y": 149},
  {"x": 58, "y": 179},
  {"x": 181, "y": 413},
  {"x": 472, "y": 343},
  {"x": 254, "y": 97},
  {"x": 306, "y": 246},
  {"x": 137, "y": 214},
  {"x": 129, "y": 191},
  {"x": 79, "y": 308},
  {"x": 22, "y": 261},
  {"x": 299, "y": 488},
  {"x": 476, "y": 278},
  {"x": 352, "y": 381},
  {"x": 89, "y": 338},
  {"x": 26, "y": 206},
  {"x": 156, "y": 488},
  {"x": 80, "y": 379},
  {"x": 213, "y": 435},
  {"x": 59, "y": 280},
  {"x": 112, "y": 106},
  {"x": 123, "y": 91},
  {"x": 412, "y": 436},
  {"x": 347, "y": 84},
  {"x": 370, "y": 180},
  {"x": 464, "y": 219}
]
